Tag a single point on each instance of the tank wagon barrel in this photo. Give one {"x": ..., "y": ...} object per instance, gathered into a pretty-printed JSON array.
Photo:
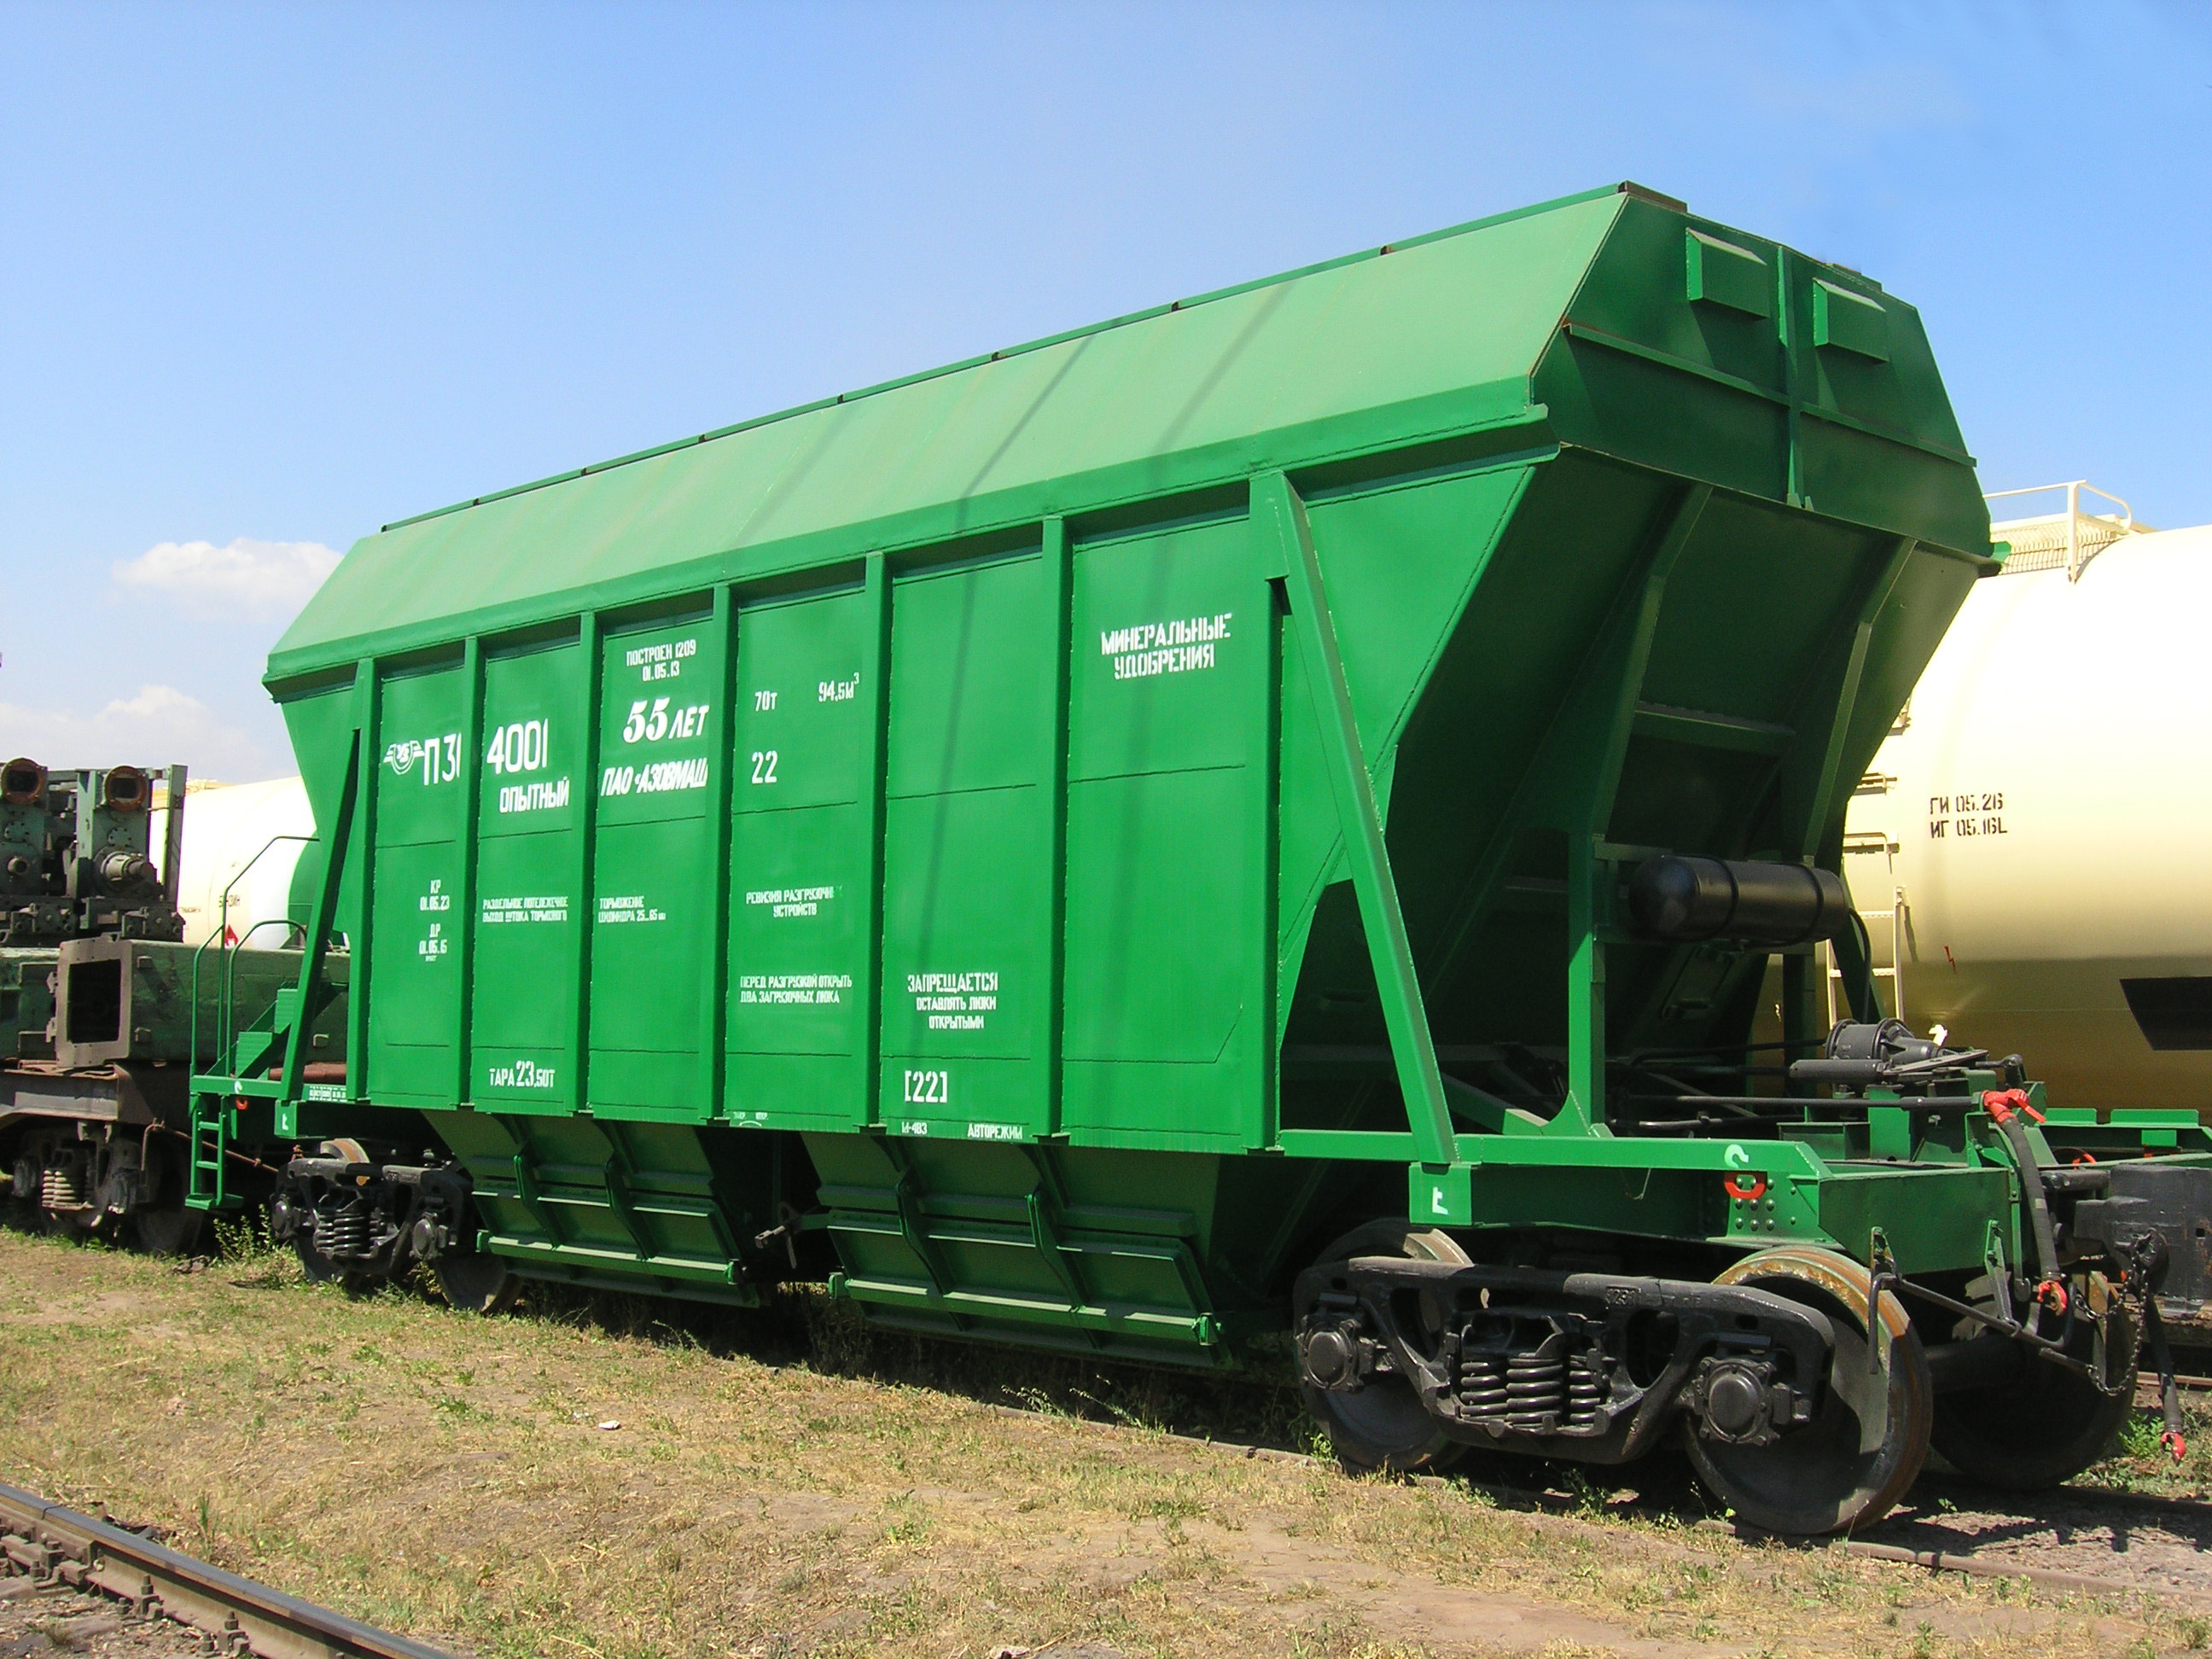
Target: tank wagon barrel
[{"x": 1252, "y": 830}]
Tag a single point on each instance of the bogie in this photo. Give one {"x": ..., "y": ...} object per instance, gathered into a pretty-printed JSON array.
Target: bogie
[
  {"x": 366, "y": 1216},
  {"x": 1408, "y": 1348},
  {"x": 101, "y": 1179}
]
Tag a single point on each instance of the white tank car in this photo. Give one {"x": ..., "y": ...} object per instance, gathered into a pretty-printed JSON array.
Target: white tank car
[
  {"x": 2030, "y": 851},
  {"x": 227, "y": 828}
]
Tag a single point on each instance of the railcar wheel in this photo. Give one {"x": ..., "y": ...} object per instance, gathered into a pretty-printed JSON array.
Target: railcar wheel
[
  {"x": 167, "y": 1225},
  {"x": 321, "y": 1270},
  {"x": 1863, "y": 1450},
  {"x": 163, "y": 1230},
  {"x": 476, "y": 1283},
  {"x": 1385, "y": 1425},
  {"x": 2048, "y": 1424},
  {"x": 318, "y": 1267}
]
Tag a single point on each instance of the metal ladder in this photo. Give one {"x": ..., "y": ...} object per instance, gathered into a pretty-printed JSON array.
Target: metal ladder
[{"x": 1898, "y": 916}]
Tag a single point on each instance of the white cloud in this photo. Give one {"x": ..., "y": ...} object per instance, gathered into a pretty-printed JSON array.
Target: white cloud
[
  {"x": 159, "y": 727},
  {"x": 261, "y": 578}
]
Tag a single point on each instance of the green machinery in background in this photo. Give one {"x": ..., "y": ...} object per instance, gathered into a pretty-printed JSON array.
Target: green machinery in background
[
  {"x": 96, "y": 1001},
  {"x": 1251, "y": 831}
]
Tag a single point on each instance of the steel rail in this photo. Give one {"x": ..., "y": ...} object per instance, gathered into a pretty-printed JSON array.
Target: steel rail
[{"x": 68, "y": 1549}]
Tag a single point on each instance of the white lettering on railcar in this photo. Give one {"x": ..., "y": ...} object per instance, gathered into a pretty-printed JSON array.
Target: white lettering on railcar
[
  {"x": 519, "y": 1074},
  {"x": 801, "y": 990},
  {"x": 658, "y": 778},
  {"x": 837, "y": 690},
  {"x": 1178, "y": 647},
  {"x": 535, "y": 909},
  {"x": 519, "y": 746},
  {"x": 786, "y": 901},
  {"x": 627, "y": 907},
  {"x": 651, "y": 721},
  {"x": 662, "y": 661},
  {"x": 533, "y": 797},
  {"x": 954, "y": 1002},
  {"x": 996, "y": 1132},
  {"x": 436, "y": 943}
]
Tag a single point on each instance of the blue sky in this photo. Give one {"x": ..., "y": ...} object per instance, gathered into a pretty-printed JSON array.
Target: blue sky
[{"x": 271, "y": 276}]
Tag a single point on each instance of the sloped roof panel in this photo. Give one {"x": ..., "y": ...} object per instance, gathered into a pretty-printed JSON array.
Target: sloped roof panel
[{"x": 1471, "y": 310}]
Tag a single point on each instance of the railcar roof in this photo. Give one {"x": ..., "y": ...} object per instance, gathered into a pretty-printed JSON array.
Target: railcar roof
[{"x": 1445, "y": 332}]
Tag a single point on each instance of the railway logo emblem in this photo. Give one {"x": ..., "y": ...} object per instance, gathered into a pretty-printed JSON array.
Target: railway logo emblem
[{"x": 441, "y": 757}]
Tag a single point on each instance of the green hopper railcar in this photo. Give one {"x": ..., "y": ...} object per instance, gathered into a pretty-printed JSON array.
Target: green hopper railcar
[{"x": 1250, "y": 833}]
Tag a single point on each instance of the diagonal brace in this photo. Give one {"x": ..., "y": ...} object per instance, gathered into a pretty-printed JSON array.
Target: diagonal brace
[{"x": 1280, "y": 517}]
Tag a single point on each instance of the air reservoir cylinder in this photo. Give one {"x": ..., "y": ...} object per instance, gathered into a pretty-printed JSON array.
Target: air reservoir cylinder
[{"x": 1686, "y": 899}]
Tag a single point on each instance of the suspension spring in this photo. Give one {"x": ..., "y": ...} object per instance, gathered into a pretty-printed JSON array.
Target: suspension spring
[
  {"x": 1482, "y": 1386},
  {"x": 343, "y": 1235},
  {"x": 1536, "y": 1388},
  {"x": 60, "y": 1188},
  {"x": 1585, "y": 1390}
]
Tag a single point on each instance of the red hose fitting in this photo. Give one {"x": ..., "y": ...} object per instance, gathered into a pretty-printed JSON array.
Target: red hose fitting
[
  {"x": 2051, "y": 1293},
  {"x": 2001, "y": 1104},
  {"x": 2174, "y": 1443}
]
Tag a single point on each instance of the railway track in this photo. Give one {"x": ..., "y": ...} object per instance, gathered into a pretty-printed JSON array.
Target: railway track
[{"x": 66, "y": 1549}]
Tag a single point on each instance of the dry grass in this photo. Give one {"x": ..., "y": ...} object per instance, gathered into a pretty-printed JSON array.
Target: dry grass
[{"x": 446, "y": 1475}]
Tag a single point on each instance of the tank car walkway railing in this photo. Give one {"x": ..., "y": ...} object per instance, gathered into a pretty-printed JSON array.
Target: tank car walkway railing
[{"x": 2066, "y": 540}]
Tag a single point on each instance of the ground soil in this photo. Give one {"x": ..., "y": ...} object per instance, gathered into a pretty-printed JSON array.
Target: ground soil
[
  {"x": 618, "y": 1481},
  {"x": 2167, "y": 1548}
]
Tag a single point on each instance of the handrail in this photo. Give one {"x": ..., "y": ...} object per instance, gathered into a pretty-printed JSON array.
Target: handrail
[
  {"x": 225, "y": 946},
  {"x": 2076, "y": 559},
  {"x": 225, "y": 1035}
]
